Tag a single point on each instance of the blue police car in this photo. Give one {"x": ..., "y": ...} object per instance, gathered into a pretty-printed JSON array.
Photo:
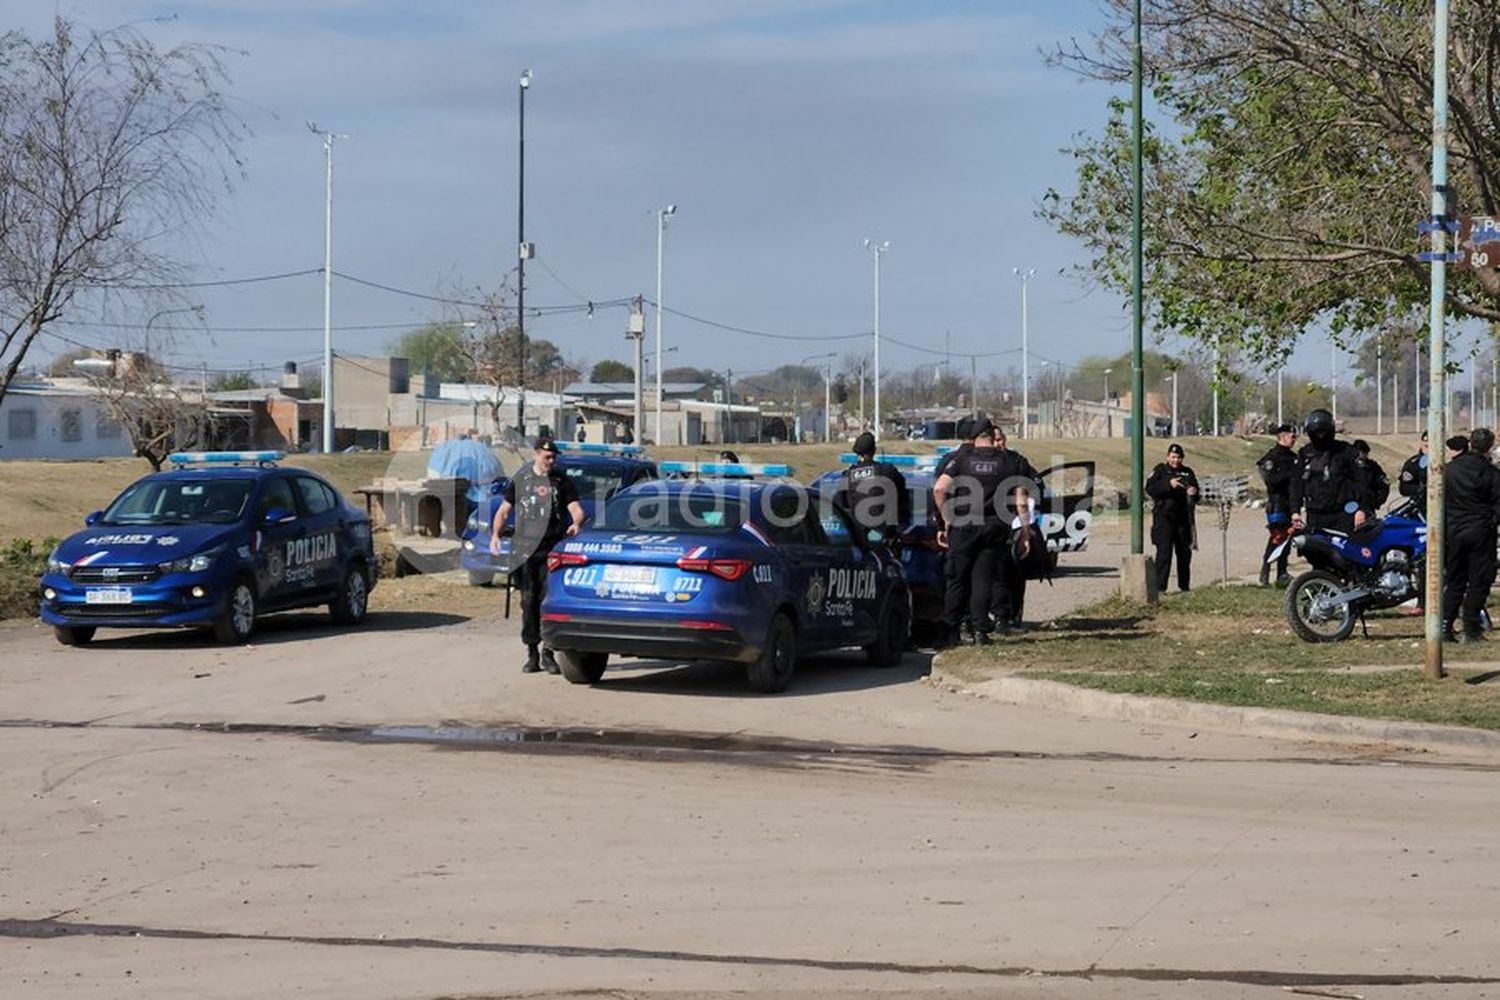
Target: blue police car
[
  {"x": 755, "y": 571},
  {"x": 597, "y": 470},
  {"x": 221, "y": 539},
  {"x": 1064, "y": 516}
]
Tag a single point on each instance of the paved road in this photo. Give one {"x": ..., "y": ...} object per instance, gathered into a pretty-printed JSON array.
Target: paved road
[{"x": 185, "y": 820}]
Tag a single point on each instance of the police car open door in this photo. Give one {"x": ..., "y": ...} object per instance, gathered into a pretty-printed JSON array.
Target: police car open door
[{"x": 1066, "y": 511}]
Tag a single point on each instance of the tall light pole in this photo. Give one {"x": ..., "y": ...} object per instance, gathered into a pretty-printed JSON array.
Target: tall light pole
[
  {"x": 661, "y": 237},
  {"x": 1109, "y": 417},
  {"x": 878, "y": 248},
  {"x": 1216, "y": 390},
  {"x": 523, "y": 253},
  {"x": 1379, "y": 389},
  {"x": 328, "y": 137},
  {"x": 796, "y": 416},
  {"x": 1175, "y": 430},
  {"x": 1279, "y": 372},
  {"x": 1333, "y": 377},
  {"x": 1025, "y": 276}
]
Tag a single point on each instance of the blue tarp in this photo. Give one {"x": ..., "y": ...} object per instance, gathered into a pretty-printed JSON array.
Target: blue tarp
[{"x": 468, "y": 458}]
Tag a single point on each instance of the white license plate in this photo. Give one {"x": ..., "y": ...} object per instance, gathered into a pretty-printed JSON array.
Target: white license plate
[
  {"x": 107, "y": 595},
  {"x": 629, "y": 574}
]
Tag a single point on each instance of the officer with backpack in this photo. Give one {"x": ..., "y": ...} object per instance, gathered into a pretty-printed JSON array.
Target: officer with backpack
[
  {"x": 874, "y": 493},
  {"x": 1376, "y": 487}
]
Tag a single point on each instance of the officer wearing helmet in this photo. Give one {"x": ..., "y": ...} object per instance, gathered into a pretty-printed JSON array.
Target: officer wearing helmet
[
  {"x": 875, "y": 493},
  {"x": 1328, "y": 488}
]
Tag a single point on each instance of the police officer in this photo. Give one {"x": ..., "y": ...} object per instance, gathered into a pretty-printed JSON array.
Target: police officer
[
  {"x": 1174, "y": 488},
  {"x": 1376, "y": 487},
  {"x": 547, "y": 511},
  {"x": 875, "y": 493},
  {"x": 1329, "y": 476},
  {"x": 1024, "y": 483},
  {"x": 1277, "y": 467},
  {"x": 1413, "y": 481},
  {"x": 1471, "y": 511},
  {"x": 975, "y": 529}
]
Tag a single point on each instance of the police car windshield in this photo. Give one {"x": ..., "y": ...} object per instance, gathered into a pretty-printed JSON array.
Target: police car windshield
[
  {"x": 593, "y": 482},
  {"x": 655, "y": 508},
  {"x": 180, "y": 501}
]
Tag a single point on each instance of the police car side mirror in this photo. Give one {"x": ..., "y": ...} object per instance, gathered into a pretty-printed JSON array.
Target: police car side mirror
[
  {"x": 279, "y": 515},
  {"x": 90, "y": 520}
]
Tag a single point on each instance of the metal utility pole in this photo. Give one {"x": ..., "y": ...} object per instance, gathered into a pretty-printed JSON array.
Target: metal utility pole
[
  {"x": 861, "y": 394},
  {"x": 974, "y": 386},
  {"x": 1216, "y": 391},
  {"x": 827, "y": 403},
  {"x": 878, "y": 249},
  {"x": 328, "y": 137},
  {"x": 1025, "y": 276},
  {"x": 1137, "y": 306},
  {"x": 661, "y": 237},
  {"x": 1176, "y": 432},
  {"x": 1436, "y": 375},
  {"x": 636, "y": 334},
  {"x": 1379, "y": 391},
  {"x": 1279, "y": 418},
  {"x": 523, "y": 254},
  {"x": 1333, "y": 377}
]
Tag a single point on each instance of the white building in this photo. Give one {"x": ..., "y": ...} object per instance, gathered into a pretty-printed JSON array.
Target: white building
[{"x": 58, "y": 419}]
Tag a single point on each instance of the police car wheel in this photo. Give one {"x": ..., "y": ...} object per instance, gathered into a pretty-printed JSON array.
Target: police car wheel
[
  {"x": 582, "y": 668},
  {"x": 772, "y": 672},
  {"x": 353, "y": 598},
  {"x": 480, "y": 579},
  {"x": 895, "y": 631},
  {"x": 238, "y": 620},
  {"x": 73, "y": 635}
]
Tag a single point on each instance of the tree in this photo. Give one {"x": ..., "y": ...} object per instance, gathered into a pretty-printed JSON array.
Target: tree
[
  {"x": 612, "y": 371},
  {"x": 232, "y": 382},
  {"x": 437, "y": 348},
  {"x": 492, "y": 357},
  {"x": 107, "y": 145},
  {"x": 1285, "y": 191},
  {"x": 157, "y": 414}
]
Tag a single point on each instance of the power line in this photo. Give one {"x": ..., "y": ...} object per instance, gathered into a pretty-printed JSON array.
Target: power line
[
  {"x": 224, "y": 282},
  {"x": 753, "y": 333}
]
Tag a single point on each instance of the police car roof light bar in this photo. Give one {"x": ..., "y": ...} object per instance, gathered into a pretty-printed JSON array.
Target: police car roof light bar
[
  {"x": 724, "y": 469},
  {"x": 225, "y": 457},
  {"x": 599, "y": 448},
  {"x": 903, "y": 461},
  {"x": 946, "y": 449}
]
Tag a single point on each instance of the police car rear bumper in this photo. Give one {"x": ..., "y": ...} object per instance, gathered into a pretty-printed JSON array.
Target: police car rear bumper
[{"x": 706, "y": 640}]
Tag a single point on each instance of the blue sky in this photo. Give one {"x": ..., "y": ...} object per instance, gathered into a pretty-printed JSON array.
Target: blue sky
[{"x": 786, "y": 131}]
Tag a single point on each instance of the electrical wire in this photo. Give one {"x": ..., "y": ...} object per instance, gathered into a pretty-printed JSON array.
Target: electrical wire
[{"x": 221, "y": 283}]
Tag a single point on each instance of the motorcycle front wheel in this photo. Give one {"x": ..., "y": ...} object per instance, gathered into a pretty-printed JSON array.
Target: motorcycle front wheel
[{"x": 1311, "y": 609}]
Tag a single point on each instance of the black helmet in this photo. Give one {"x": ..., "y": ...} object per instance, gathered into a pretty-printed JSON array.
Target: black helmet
[{"x": 1318, "y": 421}]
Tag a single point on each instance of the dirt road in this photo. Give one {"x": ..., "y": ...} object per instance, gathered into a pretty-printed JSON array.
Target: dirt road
[{"x": 295, "y": 818}]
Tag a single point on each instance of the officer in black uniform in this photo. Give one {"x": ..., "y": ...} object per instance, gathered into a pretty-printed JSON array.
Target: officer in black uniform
[
  {"x": 1413, "y": 481},
  {"x": 547, "y": 511},
  {"x": 1174, "y": 488},
  {"x": 1277, "y": 467},
  {"x": 1330, "y": 475},
  {"x": 1471, "y": 511},
  {"x": 875, "y": 493},
  {"x": 1376, "y": 487},
  {"x": 1023, "y": 484},
  {"x": 976, "y": 528}
]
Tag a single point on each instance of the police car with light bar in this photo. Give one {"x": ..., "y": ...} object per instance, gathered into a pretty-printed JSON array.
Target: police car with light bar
[
  {"x": 597, "y": 471},
  {"x": 759, "y": 571},
  {"x": 218, "y": 541},
  {"x": 1064, "y": 515}
]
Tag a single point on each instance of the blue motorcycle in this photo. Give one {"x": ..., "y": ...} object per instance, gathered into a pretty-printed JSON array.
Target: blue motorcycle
[{"x": 1379, "y": 565}]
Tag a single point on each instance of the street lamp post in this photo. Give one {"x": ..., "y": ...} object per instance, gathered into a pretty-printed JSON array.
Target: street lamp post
[
  {"x": 878, "y": 249},
  {"x": 328, "y": 137},
  {"x": 523, "y": 253},
  {"x": 1109, "y": 417},
  {"x": 1175, "y": 431},
  {"x": 661, "y": 236},
  {"x": 1025, "y": 276},
  {"x": 796, "y": 415}
]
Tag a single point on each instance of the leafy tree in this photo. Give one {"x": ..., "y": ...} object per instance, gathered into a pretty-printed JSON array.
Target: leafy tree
[
  {"x": 1284, "y": 190},
  {"x": 232, "y": 382},
  {"x": 437, "y": 348},
  {"x": 107, "y": 143},
  {"x": 612, "y": 371}
]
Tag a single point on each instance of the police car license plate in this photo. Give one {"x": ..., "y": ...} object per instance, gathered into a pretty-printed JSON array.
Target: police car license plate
[
  {"x": 107, "y": 595},
  {"x": 629, "y": 574}
]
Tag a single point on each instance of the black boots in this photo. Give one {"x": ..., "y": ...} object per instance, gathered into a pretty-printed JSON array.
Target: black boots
[
  {"x": 549, "y": 662},
  {"x": 533, "y": 662}
]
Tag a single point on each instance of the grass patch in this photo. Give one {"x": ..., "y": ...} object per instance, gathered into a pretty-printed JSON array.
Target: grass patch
[
  {"x": 1231, "y": 645},
  {"x": 22, "y": 562}
]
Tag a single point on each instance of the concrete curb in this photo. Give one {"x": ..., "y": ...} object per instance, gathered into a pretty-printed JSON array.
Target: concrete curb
[{"x": 1262, "y": 722}]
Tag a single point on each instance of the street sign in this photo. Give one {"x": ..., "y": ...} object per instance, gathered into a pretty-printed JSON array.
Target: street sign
[{"x": 1479, "y": 241}]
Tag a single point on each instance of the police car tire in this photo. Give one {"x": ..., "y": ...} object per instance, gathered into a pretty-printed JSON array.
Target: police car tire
[
  {"x": 1294, "y": 618},
  {"x": 772, "y": 671},
  {"x": 229, "y": 629},
  {"x": 73, "y": 635},
  {"x": 895, "y": 632},
  {"x": 477, "y": 578},
  {"x": 582, "y": 668},
  {"x": 353, "y": 598}
]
